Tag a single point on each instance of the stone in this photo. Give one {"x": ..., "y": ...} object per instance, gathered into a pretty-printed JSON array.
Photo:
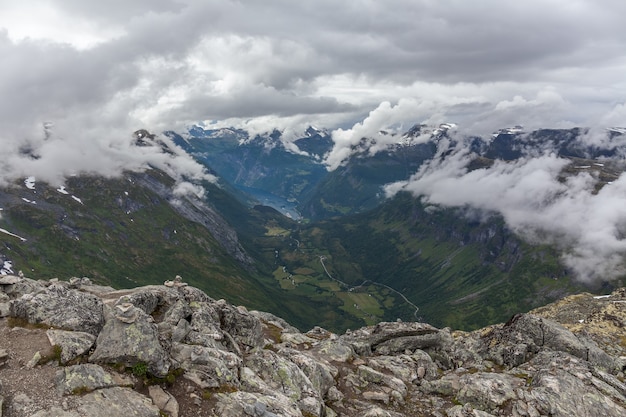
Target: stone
[
  {"x": 244, "y": 327},
  {"x": 80, "y": 379},
  {"x": 72, "y": 344},
  {"x": 207, "y": 367},
  {"x": 465, "y": 411},
  {"x": 131, "y": 344},
  {"x": 321, "y": 373},
  {"x": 164, "y": 400},
  {"x": 247, "y": 404},
  {"x": 282, "y": 375},
  {"x": 116, "y": 401},
  {"x": 147, "y": 300},
  {"x": 34, "y": 360},
  {"x": 9, "y": 279},
  {"x": 488, "y": 391},
  {"x": 4, "y": 356},
  {"x": 5, "y": 309},
  {"x": 395, "y": 337},
  {"x": 376, "y": 396},
  {"x": 58, "y": 306},
  {"x": 55, "y": 412},
  {"x": 336, "y": 351}
]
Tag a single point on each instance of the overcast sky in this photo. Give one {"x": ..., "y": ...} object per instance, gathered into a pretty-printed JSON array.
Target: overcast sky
[
  {"x": 166, "y": 63},
  {"x": 99, "y": 70}
]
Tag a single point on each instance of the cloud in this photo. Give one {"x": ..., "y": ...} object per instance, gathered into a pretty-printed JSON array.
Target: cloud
[
  {"x": 102, "y": 70},
  {"x": 536, "y": 203}
]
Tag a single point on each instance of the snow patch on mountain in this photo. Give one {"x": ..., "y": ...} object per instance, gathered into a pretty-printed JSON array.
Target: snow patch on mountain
[
  {"x": 57, "y": 153},
  {"x": 30, "y": 183},
  {"x": 6, "y": 232}
]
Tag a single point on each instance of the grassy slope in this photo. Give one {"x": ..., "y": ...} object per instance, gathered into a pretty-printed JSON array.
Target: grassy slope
[{"x": 460, "y": 273}]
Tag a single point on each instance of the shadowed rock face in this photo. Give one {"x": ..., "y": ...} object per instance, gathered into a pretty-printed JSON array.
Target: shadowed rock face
[{"x": 233, "y": 362}]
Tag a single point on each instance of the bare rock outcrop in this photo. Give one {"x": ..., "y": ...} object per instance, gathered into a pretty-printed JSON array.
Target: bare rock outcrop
[{"x": 200, "y": 356}]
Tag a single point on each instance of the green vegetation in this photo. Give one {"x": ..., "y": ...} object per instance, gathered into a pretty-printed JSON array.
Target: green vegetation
[
  {"x": 337, "y": 273},
  {"x": 140, "y": 369}
]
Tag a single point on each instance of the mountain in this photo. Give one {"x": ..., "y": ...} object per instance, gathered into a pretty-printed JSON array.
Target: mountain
[
  {"x": 357, "y": 258},
  {"x": 261, "y": 166},
  {"x": 74, "y": 348}
]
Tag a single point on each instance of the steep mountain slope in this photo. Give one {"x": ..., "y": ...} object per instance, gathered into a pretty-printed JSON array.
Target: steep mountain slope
[
  {"x": 261, "y": 165},
  {"x": 125, "y": 232},
  {"x": 398, "y": 258}
]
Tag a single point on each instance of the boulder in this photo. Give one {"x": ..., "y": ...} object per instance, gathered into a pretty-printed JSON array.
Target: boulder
[
  {"x": 208, "y": 367},
  {"x": 59, "y": 306},
  {"x": 395, "y": 337},
  {"x": 164, "y": 400},
  {"x": 130, "y": 337},
  {"x": 247, "y": 404},
  {"x": 116, "y": 401},
  {"x": 80, "y": 379},
  {"x": 72, "y": 344},
  {"x": 488, "y": 391},
  {"x": 282, "y": 375},
  {"x": 525, "y": 334},
  {"x": 244, "y": 327}
]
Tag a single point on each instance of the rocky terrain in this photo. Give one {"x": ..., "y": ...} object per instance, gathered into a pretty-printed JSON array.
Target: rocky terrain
[{"x": 76, "y": 349}]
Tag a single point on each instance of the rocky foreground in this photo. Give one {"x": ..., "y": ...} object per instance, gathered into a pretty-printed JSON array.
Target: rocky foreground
[{"x": 75, "y": 349}]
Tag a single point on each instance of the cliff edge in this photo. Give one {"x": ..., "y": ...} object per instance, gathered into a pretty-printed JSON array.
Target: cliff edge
[{"x": 76, "y": 349}]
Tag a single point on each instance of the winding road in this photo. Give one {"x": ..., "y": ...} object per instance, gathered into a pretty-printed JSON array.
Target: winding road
[{"x": 349, "y": 288}]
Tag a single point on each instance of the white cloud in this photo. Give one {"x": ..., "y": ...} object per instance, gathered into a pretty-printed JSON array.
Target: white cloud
[
  {"x": 101, "y": 70},
  {"x": 535, "y": 202}
]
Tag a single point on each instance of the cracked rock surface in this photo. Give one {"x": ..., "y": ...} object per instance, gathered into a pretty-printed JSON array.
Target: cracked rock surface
[{"x": 173, "y": 350}]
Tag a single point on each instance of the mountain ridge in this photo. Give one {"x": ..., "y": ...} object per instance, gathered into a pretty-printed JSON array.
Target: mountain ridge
[{"x": 172, "y": 350}]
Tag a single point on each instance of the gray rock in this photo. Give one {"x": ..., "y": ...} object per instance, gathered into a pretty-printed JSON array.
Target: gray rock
[
  {"x": 282, "y": 375},
  {"x": 79, "y": 379},
  {"x": 132, "y": 343},
  {"x": 336, "y": 350},
  {"x": 244, "y": 327},
  {"x": 15, "y": 287},
  {"x": 321, "y": 373},
  {"x": 34, "y": 360},
  {"x": 205, "y": 326},
  {"x": 488, "y": 391},
  {"x": 373, "y": 376},
  {"x": 144, "y": 299},
  {"x": 559, "y": 393},
  {"x": 178, "y": 311},
  {"x": 207, "y": 367},
  {"x": 394, "y": 337},
  {"x": 466, "y": 411},
  {"x": 9, "y": 280},
  {"x": 275, "y": 321},
  {"x": 164, "y": 400},
  {"x": 56, "y": 412},
  {"x": 525, "y": 335},
  {"x": 116, "y": 401},
  {"x": 61, "y": 307},
  {"x": 181, "y": 330},
  {"x": 241, "y": 403},
  {"x": 5, "y": 309},
  {"x": 447, "y": 385},
  {"x": 72, "y": 344}
]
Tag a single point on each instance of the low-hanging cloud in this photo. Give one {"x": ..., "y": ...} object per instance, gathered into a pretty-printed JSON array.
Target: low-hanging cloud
[
  {"x": 99, "y": 71},
  {"x": 536, "y": 203}
]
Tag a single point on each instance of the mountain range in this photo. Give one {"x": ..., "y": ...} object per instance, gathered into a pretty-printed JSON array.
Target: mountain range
[{"x": 281, "y": 232}]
